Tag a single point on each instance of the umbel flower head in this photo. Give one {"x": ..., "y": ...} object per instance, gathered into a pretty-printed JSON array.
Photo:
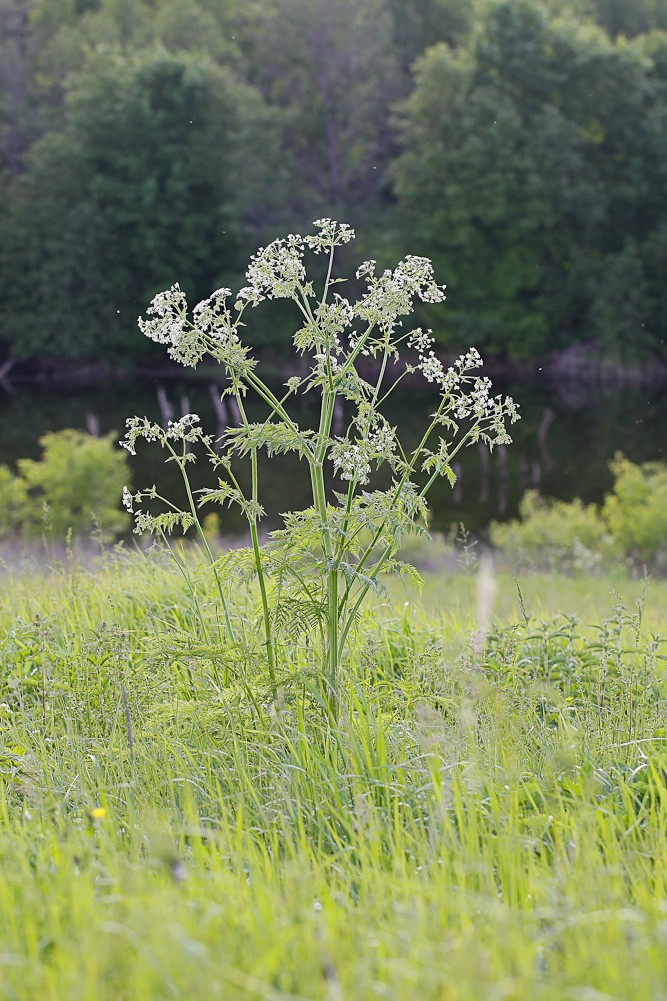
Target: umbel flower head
[
  {"x": 278, "y": 271},
  {"x": 334, "y": 330}
]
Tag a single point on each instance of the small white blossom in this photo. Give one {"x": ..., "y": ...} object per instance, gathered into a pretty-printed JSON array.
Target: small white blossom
[
  {"x": 351, "y": 462},
  {"x": 471, "y": 359},
  {"x": 431, "y": 369},
  {"x": 331, "y": 234},
  {"x": 366, "y": 269},
  {"x": 420, "y": 340},
  {"x": 275, "y": 271},
  {"x": 185, "y": 429},
  {"x": 382, "y": 442}
]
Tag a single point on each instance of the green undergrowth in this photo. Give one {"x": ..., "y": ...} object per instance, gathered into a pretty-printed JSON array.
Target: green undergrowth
[{"x": 487, "y": 820}]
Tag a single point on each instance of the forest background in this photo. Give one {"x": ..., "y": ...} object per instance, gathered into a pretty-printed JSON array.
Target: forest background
[{"x": 520, "y": 145}]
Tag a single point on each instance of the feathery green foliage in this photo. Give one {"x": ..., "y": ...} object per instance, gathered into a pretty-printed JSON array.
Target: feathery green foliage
[{"x": 321, "y": 565}]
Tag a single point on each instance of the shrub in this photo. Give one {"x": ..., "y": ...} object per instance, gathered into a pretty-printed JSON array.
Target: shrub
[
  {"x": 636, "y": 510},
  {"x": 561, "y": 535},
  {"x": 632, "y": 523},
  {"x": 80, "y": 480},
  {"x": 13, "y": 502}
]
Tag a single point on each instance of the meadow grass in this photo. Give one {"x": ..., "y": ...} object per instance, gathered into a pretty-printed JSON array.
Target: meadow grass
[{"x": 487, "y": 820}]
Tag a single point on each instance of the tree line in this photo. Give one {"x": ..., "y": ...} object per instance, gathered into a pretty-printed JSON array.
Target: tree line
[{"x": 521, "y": 145}]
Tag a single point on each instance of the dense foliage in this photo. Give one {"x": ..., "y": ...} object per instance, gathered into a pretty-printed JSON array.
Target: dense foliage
[
  {"x": 74, "y": 487},
  {"x": 630, "y": 528},
  {"x": 487, "y": 821},
  {"x": 520, "y": 144}
]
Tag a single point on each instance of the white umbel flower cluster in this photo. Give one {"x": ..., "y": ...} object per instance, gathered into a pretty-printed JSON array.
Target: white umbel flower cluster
[
  {"x": 209, "y": 313},
  {"x": 376, "y": 444},
  {"x": 392, "y": 294},
  {"x": 166, "y": 316},
  {"x": 275, "y": 272},
  {"x": 331, "y": 234},
  {"x": 432, "y": 368},
  {"x": 186, "y": 429},
  {"x": 351, "y": 462}
]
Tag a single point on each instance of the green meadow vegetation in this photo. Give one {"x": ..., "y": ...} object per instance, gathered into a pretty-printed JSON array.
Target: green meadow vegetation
[
  {"x": 487, "y": 819},
  {"x": 298, "y": 769}
]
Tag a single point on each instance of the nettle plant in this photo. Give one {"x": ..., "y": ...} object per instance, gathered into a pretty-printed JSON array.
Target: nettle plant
[{"x": 315, "y": 572}]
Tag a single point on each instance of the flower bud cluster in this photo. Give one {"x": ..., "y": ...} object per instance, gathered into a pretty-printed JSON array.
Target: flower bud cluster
[
  {"x": 331, "y": 234},
  {"x": 391, "y": 295},
  {"x": 186, "y": 429},
  {"x": 166, "y": 316},
  {"x": 275, "y": 272},
  {"x": 376, "y": 444}
]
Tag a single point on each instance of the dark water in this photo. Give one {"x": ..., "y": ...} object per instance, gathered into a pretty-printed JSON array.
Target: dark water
[{"x": 562, "y": 445}]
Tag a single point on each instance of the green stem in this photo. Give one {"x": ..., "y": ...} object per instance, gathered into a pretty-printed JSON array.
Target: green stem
[
  {"x": 392, "y": 388},
  {"x": 320, "y": 503},
  {"x": 259, "y": 566},
  {"x": 354, "y": 354},
  {"x": 260, "y": 576},
  {"x": 346, "y": 521},
  {"x": 377, "y": 569},
  {"x": 265, "y": 393},
  {"x": 380, "y": 379},
  {"x": 328, "y": 278},
  {"x": 204, "y": 541}
]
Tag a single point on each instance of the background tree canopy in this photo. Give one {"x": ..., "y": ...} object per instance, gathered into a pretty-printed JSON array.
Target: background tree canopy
[{"x": 522, "y": 145}]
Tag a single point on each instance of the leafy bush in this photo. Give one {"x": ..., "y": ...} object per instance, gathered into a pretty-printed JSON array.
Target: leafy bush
[
  {"x": 632, "y": 524},
  {"x": 78, "y": 481},
  {"x": 636, "y": 510},
  {"x": 564, "y": 536},
  {"x": 13, "y": 502}
]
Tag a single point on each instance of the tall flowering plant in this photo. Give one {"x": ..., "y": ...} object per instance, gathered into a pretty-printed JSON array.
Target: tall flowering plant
[{"x": 315, "y": 572}]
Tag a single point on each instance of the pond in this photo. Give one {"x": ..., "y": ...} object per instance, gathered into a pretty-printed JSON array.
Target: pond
[{"x": 562, "y": 446}]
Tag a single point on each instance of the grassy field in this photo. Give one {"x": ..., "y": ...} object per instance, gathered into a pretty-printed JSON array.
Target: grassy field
[{"x": 488, "y": 821}]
